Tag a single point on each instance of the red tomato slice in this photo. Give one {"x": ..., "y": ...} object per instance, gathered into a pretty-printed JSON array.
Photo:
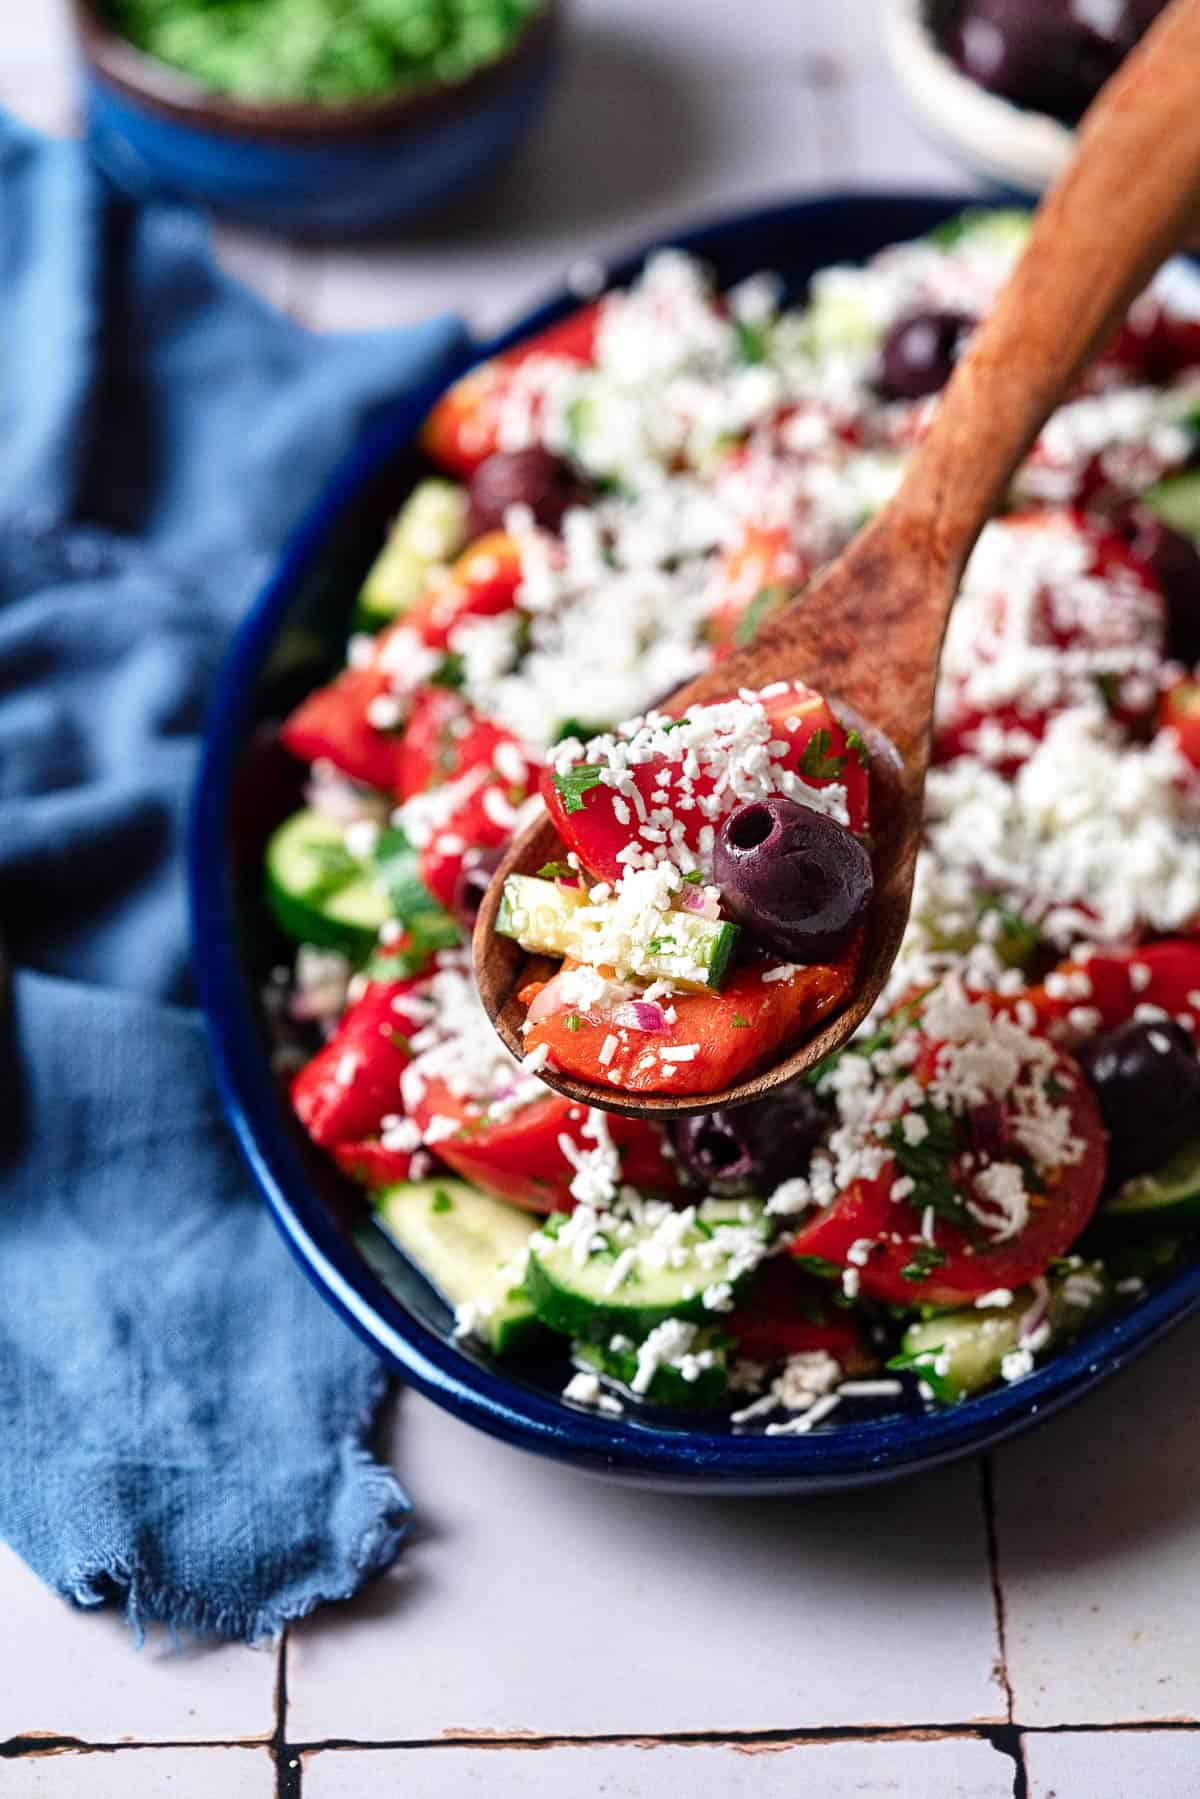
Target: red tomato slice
[
  {"x": 482, "y": 583},
  {"x": 1164, "y": 974},
  {"x": 590, "y": 821},
  {"x": 787, "y": 1314},
  {"x": 758, "y": 575},
  {"x": 331, "y": 725},
  {"x": 463, "y": 428},
  {"x": 444, "y": 739},
  {"x": 732, "y": 1031},
  {"x": 866, "y": 1212},
  {"x": 1180, "y": 713},
  {"x": 485, "y": 819},
  {"x": 353, "y": 1082},
  {"x": 520, "y": 1159},
  {"x": 371, "y": 1165}
]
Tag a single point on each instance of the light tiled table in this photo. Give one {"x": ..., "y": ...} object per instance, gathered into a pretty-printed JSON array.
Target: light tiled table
[{"x": 1025, "y": 1628}]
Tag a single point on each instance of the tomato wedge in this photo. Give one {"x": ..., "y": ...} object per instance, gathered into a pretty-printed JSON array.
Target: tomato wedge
[
  {"x": 597, "y": 823},
  {"x": 898, "y": 1264},
  {"x": 371, "y": 1165},
  {"x": 482, "y": 583},
  {"x": 483, "y": 819},
  {"x": 787, "y": 1313},
  {"x": 463, "y": 428},
  {"x": 759, "y": 573},
  {"x": 353, "y": 1081},
  {"x": 1080, "y": 998},
  {"x": 716, "y": 1036},
  {"x": 521, "y": 1158},
  {"x": 1180, "y": 714},
  {"x": 333, "y": 725}
]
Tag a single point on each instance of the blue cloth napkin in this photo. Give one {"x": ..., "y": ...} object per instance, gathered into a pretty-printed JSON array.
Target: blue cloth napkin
[{"x": 183, "y": 1422}]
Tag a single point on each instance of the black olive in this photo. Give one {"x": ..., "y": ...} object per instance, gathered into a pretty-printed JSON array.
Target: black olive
[
  {"x": 547, "y": 484},
  {"x": 1173, "y": 562},
  {"x": 1046, "y": 57},
  {"x": 796, "y": 879},
  {"x": 474, "y": 879},
  {"x": 918, "y": 354},
  {"x": 1146, "y": 1078},
  {"x": 754, "y": 1148}
]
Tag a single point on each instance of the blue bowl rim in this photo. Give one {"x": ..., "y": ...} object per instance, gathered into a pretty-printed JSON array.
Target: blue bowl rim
[
  {"x": 156, "y": 87},
  {"x": 627, "y": 1447}
]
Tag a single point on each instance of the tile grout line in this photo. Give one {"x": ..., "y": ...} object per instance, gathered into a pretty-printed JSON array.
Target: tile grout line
[
  {"x": 1010, "y": 1743},
  {"x": 19, "y": 1747},
  {"x": 287, "y": 1762}
]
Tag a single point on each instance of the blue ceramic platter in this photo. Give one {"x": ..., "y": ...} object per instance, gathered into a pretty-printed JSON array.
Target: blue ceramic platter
[{"x": 292, "y": 638}]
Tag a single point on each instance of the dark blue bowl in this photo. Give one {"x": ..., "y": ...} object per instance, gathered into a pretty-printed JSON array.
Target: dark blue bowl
[
  {"x": 328, "y": 171},
  {"x": 293, "y": 638}
]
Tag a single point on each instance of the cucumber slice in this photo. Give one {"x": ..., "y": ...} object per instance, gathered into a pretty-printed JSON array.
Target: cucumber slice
[
  {"x": 1166, "y": 1198},
  {"x": 1176, "y": 501},
  {"x": 464, "y": 1241},
  {"x": 320, "y": 893},
  {"x": 1003, "y": 228},
  {"x": 550, "y": 919},
  {"x": 397, "y": 867},
  {"x": 609, "y": 1291},
  {"x": 669, "y": 1385},
  {"x": 957, "y": 1353},
  {"x": 430, "y": 529}
]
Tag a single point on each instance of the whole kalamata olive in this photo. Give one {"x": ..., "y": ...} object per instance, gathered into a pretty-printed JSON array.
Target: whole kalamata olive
[
  {"x": 1146, "y": 1078},
  {"x": 474, "y": 879},
  {"x": 918, "y": 354},
  {"x": 547, "y": 484},
  {"x": 754, "y": 1148},
  {"x": 1172, "y": 560},
  {"x": 1044, "y": 57},
  {"x": 796, "y": 879}
]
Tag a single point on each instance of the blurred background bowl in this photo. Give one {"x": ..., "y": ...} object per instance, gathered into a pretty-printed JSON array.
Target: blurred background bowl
[
  {"x": 351, "y": 169},
  {"x": 1009, "y": 147}
]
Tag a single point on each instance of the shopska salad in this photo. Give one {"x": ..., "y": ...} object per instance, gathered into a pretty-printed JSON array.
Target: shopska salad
[{"x": 1011, "y": 1146}]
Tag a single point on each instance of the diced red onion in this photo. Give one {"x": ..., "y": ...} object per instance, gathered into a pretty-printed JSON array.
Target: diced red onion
[
  {"x": 1035, "y": 1317},
  {"x": 989, "y": 1129},
  {"x": 640, "y": 1015}
]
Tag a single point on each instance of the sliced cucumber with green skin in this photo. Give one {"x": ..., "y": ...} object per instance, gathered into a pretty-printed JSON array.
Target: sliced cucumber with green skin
[
  {"x": 430, "y": 530},
  {"x": 961, "y": 1352},
  {"x": 397, "y": 867},
  {"x": 610, "y": 1293},
  {"x": 1004, "y": 227},
  {"x": 319, "y": 892},
  {"x": 464, "y": 1242},
  {"x": 1176, "y": 501},
  {"x": 668, "y": 1386},
  {"x": 1168, "y": 1197},
  {"x": 550, "y": 919}
]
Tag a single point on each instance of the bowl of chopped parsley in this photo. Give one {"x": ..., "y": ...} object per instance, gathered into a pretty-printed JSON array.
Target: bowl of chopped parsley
[{"x": 321, "y": 117}]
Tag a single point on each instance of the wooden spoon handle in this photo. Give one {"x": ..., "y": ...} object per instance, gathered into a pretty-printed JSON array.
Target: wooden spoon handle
[{"x": 1125, "y": 202}]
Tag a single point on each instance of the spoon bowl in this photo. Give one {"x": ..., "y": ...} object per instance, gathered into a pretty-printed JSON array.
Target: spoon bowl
[{"x": 869, "y": 627}]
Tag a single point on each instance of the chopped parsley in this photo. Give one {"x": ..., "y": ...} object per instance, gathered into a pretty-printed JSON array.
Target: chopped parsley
[
  {"x": 576, "y": 782},
  {"x": 751, "y": 341},
  {"x": 572, "y": 1021},
  {"x": 556, "y": 871},
  {"x": 925, "y": 1258},
  {"x": 694, "y": 877},
  {"x": 1108, "y": 685},
  {"x": 768, "y": 600},
  {"x": 817, "y": 762},
  {"x": 441, "y": 1201},
  {"x": 921, "y": 1362},
  {"x": 657, "y": 946},
  {"x": 856, "y": 742},
  {"x": 449, "y": 672},
  {"x": 738, "y": 1023},
  {"x": 818, "y": 1265},
  {"x": 927, "y": 1165}
]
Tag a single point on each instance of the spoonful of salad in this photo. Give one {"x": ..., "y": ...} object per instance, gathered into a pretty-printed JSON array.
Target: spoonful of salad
[{"x": 715, "y": 893}]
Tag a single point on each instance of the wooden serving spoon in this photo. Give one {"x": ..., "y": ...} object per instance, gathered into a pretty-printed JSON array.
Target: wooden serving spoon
[{"x": 867, "y": 631}]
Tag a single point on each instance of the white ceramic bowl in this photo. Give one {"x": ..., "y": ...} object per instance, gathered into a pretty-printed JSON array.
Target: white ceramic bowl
[{"x": 1007, "y": 145}]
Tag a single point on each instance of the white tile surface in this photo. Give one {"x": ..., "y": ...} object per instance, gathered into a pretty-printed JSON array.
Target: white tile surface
[
  {"x": 533, "y": 1598},
  {"x": 71, "y": 1673},
  {"x": 141, "y": 1774},
  {"x": 1115, "y": 1764},
  {"x": 1098, "y": 1521},
  {"x": 950, "y": 1769}
]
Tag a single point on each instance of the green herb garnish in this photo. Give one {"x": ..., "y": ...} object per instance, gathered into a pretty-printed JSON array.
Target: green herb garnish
[
  {"x": 556, "y": 871},
  {"x": 441, "y": 1201},
  {"x": 817, "y": 762},
  {"x": 857, "y": 743},
  {"x": 576, "y": 782},
  {"x": 925, "y": 1258},
  {"x": 921, "y": 1362},
  {"x": 738, "y": 1023}
]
